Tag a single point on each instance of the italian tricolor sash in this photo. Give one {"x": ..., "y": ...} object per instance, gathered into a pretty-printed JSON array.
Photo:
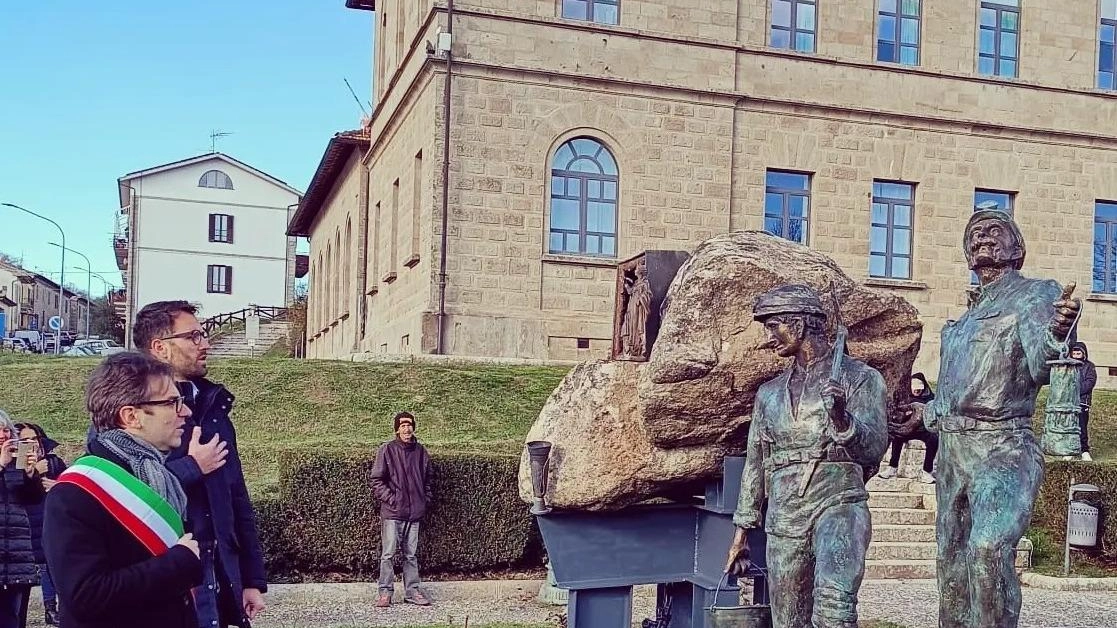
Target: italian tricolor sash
[{"x": 137, "y": 507}]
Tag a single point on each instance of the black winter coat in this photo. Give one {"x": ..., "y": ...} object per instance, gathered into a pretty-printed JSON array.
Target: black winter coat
[
  {"x": 218, "y": 507},
  {"x": 104, "y": 576},
  {"x": 401, "y": 480},
  {"x": 17, "y": 558}
]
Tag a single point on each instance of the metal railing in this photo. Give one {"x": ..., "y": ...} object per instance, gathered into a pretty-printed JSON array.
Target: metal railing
[{"x": 265, "y": 313}]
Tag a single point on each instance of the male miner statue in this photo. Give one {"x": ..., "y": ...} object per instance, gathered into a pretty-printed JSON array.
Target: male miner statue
[
  {"x": 993, "y": 362},
  {"x": 813, "y": 430}
]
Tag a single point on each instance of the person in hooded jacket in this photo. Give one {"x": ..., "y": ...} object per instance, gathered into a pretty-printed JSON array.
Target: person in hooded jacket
[
  {"x": 921, "y": 393},
  {"x": 401, "y": 481},
  {"x": 1088, "y": 378},
  {"x": 19, "y": 571},
  {"x": 48, "y": 466}
]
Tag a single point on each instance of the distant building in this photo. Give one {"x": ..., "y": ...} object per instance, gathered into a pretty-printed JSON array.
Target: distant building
[
  {"x": 28, "y": 300},
  {"x": 210, "y": 230}
]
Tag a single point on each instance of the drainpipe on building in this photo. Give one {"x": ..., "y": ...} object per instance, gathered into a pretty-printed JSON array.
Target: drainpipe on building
[
  {"x": 441, "y": 348},
  {"x": 362, "y": 265}
]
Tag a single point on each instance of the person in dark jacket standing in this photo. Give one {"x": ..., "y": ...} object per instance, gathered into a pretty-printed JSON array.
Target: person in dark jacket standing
[
  {"x": 401, "y": 480},
  {"x": 18, "y": 488},
  {"x": 112, "y": 531},
  {"x": 48, "y": 467},
  {"x": 920, "y": 392},
  {"x": 1088, "y": 378},
  {"x": 208, "y": 464}
]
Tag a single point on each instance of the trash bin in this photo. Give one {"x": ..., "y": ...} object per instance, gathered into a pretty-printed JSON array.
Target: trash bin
[{"x": 1082, "y": 524}]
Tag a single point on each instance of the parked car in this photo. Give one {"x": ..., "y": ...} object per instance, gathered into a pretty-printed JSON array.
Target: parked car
[
  {"x": 102, "y": 347},
  {"x": 79, "y": 352},
  {"x": 32, "y": 337},
  {"x": 15, "y": 345}
]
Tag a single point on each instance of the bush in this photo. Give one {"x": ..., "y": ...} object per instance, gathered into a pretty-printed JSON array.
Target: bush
[
  {"x": 325, "y": 519},
  {"x": 1051, "y": 504}
]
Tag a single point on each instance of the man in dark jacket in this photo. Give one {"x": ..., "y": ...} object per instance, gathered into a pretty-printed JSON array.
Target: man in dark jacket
[
  {"x": 1088, "y": 378},
  {"x": 18, "y": 569},
  {"x": 401, "y": 480},
  {"x": 219, "y": 512},
  {"x": 112, "y": 531}
]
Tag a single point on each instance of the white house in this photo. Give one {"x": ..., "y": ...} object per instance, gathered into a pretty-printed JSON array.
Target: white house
[{"x": 210, "y": 230}]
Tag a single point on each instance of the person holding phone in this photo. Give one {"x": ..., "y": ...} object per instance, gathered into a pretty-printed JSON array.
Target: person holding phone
[
  {"x": 48, "y": 466},
  {"x": 18, "y": 487}
]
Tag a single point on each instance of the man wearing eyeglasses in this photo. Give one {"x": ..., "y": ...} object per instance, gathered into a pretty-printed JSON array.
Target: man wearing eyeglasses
[
  {"x": 207, "y": 463},
  {"x": 113, "y": 523}
]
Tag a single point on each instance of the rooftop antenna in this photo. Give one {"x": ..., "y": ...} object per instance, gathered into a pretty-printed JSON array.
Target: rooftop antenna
[
  {"x": 213, "y": 135},
  {"x": 359, "y": 103}
]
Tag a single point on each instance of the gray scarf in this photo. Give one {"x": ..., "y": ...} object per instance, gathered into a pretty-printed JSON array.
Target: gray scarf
[{"x": 148, "y": 464}]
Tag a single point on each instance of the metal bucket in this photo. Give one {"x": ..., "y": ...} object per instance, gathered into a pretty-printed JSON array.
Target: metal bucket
[{"x": 747, "y": 616}]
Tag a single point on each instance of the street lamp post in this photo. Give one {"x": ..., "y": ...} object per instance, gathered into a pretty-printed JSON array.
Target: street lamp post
[
  {"x": 62, "y": 275},
  {"x": 88, "y": 279}
]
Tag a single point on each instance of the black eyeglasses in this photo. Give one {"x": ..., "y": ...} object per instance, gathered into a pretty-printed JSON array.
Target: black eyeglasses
[
  {"x": 195, "y": 336},
  {"x": 177, "y": 402}
]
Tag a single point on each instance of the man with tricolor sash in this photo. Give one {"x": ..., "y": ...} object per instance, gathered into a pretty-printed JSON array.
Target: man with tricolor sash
[{"x": 113, "y": 527}]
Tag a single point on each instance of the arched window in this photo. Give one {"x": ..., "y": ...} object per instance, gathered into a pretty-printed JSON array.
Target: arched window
[
  {"x": 347, "y": 268},
  {"x": 328, "y": 287},
  {"x": 335, "y": 277},
  {"x": 215, "y": 179},
  {"x": 584, "y": 184}
]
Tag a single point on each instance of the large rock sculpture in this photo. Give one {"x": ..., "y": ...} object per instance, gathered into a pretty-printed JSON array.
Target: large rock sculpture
[{"x": 626, "y": 431}]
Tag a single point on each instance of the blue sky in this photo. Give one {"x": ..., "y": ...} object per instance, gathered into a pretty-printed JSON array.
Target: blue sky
[{"x": 90, "y": 91}]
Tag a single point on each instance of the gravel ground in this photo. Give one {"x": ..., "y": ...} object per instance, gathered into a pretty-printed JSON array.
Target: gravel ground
[{"x": 910, "y": 603}]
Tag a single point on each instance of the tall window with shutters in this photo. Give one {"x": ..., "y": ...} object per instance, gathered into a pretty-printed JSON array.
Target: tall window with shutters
[
  {"x": 219, "y": 279},
  {"x": 221, "y": 228}
]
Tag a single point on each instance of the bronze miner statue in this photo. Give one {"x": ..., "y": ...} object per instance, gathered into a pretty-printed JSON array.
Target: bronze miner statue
[
  {"x": 815, "y": 428},
  {"x": 994, "y": 359}
]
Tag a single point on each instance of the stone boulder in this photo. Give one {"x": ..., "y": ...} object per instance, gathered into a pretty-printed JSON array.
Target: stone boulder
[{"x": 623, "y": 432}]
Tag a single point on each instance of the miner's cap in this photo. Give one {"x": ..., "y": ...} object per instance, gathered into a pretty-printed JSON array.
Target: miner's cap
[
  {"x": 788, "y": 299},
  {"x": 1001, "y": 216}
]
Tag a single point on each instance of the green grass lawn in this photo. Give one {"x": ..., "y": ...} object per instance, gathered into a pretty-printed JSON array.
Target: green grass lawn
[{"x": 291, "y": 404}]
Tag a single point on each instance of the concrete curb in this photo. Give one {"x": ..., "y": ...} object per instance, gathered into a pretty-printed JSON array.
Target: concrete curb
[
  {"x": 474, "y": 589},
  {"x": 1056, "y": 583}
]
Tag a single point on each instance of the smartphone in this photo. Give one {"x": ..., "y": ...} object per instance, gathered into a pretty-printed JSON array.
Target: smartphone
[{"x": 25, "y": 448}]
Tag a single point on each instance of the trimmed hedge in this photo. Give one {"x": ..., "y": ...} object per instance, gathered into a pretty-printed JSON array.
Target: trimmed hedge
[
  {"x": 1051, "y": 504},
  {"x": 325, "y": 519}
]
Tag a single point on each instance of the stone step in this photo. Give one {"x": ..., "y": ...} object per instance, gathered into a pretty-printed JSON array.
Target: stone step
[
  {"x": 877, "y": 484},
  {"x": 902, "y": 551},
  {"x": 903, "y": 516},
  {"x": 895, "y": 500},
  {"x": 899, "y": 569},
  {"x": 886, "y": 533}
]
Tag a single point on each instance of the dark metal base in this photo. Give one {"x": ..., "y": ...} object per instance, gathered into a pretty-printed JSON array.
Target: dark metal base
[{"x": 600, "y": 556}]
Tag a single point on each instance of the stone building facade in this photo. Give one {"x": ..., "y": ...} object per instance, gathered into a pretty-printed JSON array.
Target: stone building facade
[{"x": 585, "y": 131}]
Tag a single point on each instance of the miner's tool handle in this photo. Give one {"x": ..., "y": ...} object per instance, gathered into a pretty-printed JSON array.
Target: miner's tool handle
[
  {"x": 840, "y": 335},
  {"x": 1068, "y": 292}
]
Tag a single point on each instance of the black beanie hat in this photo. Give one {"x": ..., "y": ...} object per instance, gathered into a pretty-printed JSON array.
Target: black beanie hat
[{"x": 400, "y": 416}]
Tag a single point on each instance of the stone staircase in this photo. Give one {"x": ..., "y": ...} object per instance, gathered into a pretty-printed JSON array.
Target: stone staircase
[
  {"x": 903, "y": 541},
  {"x": 235, "y": 344}
]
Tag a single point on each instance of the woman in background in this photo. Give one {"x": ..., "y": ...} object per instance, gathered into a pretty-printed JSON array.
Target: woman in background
[{"x": 48, "y": 467}]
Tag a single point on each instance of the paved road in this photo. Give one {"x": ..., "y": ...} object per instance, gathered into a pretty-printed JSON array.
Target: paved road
[{"x": 910, "y": 603}]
